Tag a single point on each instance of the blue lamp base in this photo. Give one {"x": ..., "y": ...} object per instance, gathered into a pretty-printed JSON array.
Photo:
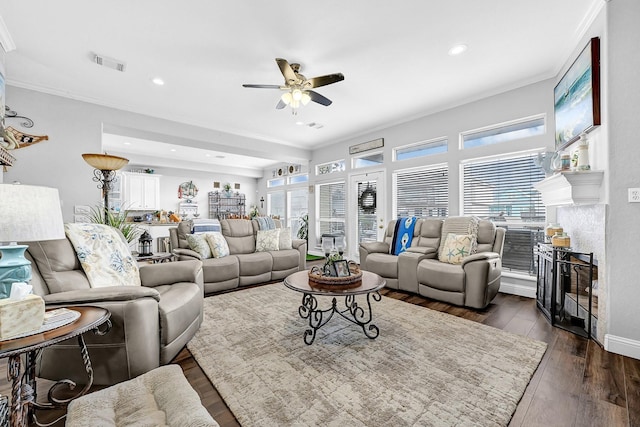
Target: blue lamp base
[{"x": 14, "y": 267}]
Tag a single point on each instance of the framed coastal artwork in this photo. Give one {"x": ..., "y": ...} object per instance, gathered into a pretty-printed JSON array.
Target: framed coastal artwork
[{"x": 577, "y": 96}]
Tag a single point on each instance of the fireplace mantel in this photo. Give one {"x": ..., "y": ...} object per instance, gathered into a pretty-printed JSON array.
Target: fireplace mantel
[{"x": 571, "y": 188}]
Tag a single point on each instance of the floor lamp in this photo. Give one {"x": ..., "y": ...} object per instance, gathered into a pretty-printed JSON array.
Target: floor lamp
[
  {"x": 29, "y": 214},
  {"x": 105, "y": 174}
]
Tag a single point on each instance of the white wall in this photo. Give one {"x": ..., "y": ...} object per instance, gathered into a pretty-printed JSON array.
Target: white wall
[
  {"x": 75, "y": 127},
  {"x": 623, "y": 227}
]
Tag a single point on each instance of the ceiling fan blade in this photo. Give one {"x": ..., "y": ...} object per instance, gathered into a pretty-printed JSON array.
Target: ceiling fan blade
[
  {"x": 280, "y": 105},
  {"x": 262, "y": 86},
  {"x": 316, "y": 97},
  {"x": 326, "y": 80},
  {"x": 287, "y": 71}
]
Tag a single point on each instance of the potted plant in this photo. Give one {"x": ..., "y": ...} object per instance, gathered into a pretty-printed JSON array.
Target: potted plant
[
  {"x": 116, "y": 219},
  {"x": 227, "y": 189}
]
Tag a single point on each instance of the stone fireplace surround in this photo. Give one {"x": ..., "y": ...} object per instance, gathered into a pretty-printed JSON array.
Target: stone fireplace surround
[{"x": 585, "y": 224}]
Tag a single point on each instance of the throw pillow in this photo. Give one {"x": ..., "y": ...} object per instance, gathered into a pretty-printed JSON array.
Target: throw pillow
[
  {"x": 268, "y": 240},
  {"x": 459, "y": 225},
  {"x": 104, "y": 256},
  {"x": 198, "y": 243},
  {"x": 456, "y": 247},
  {"x": 285, "y": 239},
  {"x": 218, "y": 244}
]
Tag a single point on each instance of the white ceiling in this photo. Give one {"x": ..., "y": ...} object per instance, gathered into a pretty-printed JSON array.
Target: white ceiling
[{"x": 393, "y": 55}]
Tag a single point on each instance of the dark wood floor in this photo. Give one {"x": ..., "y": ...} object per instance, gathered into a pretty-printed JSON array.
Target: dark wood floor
[{"x": 578, "y": 383}]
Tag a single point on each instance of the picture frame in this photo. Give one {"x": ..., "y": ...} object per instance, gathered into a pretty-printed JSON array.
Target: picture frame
[
  {"x": 577, "y": 97},
  {"x": 342, "y": 268}
]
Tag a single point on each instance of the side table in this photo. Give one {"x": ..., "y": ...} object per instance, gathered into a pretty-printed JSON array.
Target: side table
[
  {"x": 22, "y": 375},
  {"x": 155, "y": 258}
]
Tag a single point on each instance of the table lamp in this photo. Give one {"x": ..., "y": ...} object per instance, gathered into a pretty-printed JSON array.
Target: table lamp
[{"x": 27, "y": 214}]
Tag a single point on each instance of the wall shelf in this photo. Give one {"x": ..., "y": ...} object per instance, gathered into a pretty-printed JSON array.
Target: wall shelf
[{"x": 571, "y": 188}]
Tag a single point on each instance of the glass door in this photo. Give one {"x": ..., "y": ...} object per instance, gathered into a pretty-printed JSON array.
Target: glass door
[{"x": 366, "y": 213}]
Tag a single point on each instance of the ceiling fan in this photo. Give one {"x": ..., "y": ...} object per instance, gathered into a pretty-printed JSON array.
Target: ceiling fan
[{"x": 298, "y": 87}]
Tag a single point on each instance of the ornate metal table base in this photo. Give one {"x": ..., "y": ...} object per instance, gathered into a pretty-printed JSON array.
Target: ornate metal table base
[
  {"x": 352, "y": 312},
  {"x": 23, "y": 384}
]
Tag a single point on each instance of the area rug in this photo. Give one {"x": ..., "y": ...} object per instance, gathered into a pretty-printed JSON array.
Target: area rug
[{"x": 426, "y": 368}]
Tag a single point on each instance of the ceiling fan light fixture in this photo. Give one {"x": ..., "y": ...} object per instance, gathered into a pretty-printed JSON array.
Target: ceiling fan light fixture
[
  {"x": 306, "y": 98},
  {"x": 296, "y": 94},
  {"x": 286, "y": 98}
]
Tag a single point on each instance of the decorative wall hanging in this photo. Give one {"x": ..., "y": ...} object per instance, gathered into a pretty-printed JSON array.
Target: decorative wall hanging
[
  {"x": 187, "y": 190},
  {"x": 366, "y": 146},
  {"x": 13, "y": 138},
  {"x": 367, "y": 200},
  {"x": 577, "y": 96}
]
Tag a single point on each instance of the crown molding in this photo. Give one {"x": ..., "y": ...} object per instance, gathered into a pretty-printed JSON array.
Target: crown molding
[{"x": 5, "y": 38}]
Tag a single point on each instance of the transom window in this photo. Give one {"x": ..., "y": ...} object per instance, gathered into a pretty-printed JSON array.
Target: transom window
[
  {"x": 421, "y": 149},
  {"x": 511, "y": 131}
]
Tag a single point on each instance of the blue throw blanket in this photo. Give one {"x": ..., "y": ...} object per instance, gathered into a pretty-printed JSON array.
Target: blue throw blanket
[
  {"x": 266, "y": 223},
  {"x": 402, "y": 235}
]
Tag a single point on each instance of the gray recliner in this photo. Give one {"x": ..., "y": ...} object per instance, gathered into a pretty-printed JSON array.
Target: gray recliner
[
  {"x": 473, "y": 283},
  {"x": 151, "y": 323}
]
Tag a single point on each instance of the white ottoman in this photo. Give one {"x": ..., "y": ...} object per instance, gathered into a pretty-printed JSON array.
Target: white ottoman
[{"x": 162, "y": 397}]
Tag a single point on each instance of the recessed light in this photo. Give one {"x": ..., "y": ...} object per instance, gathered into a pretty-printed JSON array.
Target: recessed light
[
  {"x": 173, "y": 150},
  {"x": 457, "y": 49},
  {"x": 158, "y": 81},
  {"x": 299, "y": 123},
  {"x": 207, "y": 155},
  {"x": 127, "y": 143}
]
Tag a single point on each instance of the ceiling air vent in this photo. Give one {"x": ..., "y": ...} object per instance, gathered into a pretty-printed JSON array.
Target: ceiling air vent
[{"x": 105, "y": 61}]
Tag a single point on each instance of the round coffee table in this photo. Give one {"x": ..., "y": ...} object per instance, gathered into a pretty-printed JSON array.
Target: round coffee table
[{"x": 354, "y": 313}]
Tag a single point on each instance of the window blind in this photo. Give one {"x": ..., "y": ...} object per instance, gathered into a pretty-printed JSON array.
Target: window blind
[
  {"x": 502, "y": 190},
  {"x": 332, "y": 202},
  {"x": 422, "y": 192}
]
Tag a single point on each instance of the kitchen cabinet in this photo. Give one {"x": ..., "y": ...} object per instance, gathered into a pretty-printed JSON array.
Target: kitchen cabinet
[{"x": 141, "y": 191}]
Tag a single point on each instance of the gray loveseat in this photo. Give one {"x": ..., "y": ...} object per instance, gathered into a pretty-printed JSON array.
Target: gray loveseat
[
  {"x": 473, "y": 283},
  {"x": 151, "y": 323},
  {"x": 244, "y": 266}
]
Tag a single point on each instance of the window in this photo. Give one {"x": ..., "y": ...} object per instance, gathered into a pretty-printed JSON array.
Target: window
[
  {"x": 502, "y": 190},
  {"x": 505, "y": 132},
  {"x": 422, "y": 192},
  {"x": 331, "y": 167},
  {"x": 297, "y": 205},
  {"x": 373, "y": 159},
  {"x": 275, "y": 182},
  {"x": 298, "y": 179},
  {"x": 331, "y": 208},
  {"x": 275, "y": 204},
  {"x": 421, "y": 149}
]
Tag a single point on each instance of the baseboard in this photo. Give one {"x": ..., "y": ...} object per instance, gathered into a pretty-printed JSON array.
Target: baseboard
[
  {"x": 623, "y": 346},
  {"x": 516, "y": 289}
]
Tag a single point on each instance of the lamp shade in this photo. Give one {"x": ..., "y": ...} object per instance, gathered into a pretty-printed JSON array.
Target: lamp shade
[
  {"x": 29, "y": 213},
  {"x": 105, "y": 161}
]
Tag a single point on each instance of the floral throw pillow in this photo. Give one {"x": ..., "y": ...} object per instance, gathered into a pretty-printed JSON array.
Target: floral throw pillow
[
  {"x": 285, "y": 239},
  {"x": 268, "y": 240},
  {"x": 456, "y": 247},
  {"x": 104, "y": 256},
  {"x": 198, "y": 243},
  {"x": 218, "y": 244}
]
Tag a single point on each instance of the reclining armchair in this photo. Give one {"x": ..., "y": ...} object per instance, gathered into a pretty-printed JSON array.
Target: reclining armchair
[{"x": 150, "y": 323}]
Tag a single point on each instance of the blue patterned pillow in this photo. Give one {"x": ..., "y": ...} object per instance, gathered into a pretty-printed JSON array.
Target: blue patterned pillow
[{"x": 218, "y": 244}]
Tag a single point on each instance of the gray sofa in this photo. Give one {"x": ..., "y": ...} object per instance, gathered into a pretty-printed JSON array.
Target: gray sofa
[
  {"x": 244, "y": 266},
  {"x": 151, "y": 323},
  {"x": 473, "y": 283}
]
